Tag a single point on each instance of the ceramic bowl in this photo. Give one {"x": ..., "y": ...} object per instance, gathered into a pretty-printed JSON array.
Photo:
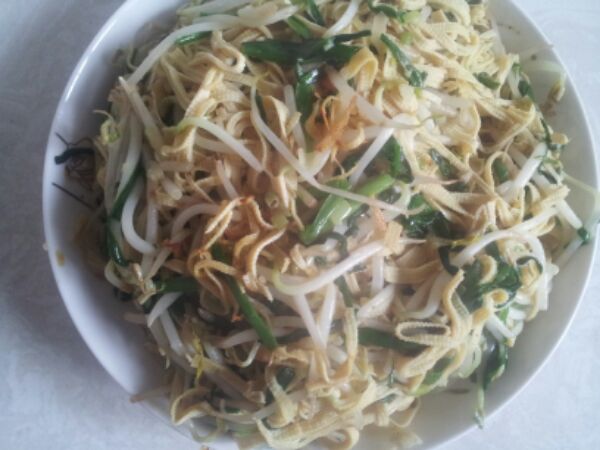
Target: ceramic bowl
[{"x": 118, "y": 345}]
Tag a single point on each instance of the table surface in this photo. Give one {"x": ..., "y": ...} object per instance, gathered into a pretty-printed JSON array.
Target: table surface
[{"x": 55, "y": 395}]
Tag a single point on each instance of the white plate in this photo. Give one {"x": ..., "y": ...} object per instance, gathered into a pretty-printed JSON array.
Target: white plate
[{"x": 119, "y": 346}]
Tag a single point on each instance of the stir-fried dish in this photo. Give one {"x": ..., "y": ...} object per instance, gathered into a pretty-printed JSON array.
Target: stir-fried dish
[{"x": 324, "y": 210}]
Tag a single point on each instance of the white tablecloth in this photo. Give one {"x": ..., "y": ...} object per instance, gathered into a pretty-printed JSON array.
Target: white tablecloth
[{"x": 53, "y": 393}]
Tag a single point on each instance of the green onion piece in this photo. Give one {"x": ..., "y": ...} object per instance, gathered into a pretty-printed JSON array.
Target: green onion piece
[
  {"x": 117, "y": 209},
  {"x": 350, "y": 36},
  {"x": 415, "y": 77},
  {"x": 112, "y": 246},
  {"x": 281, "y": 52},
  {"x": 337, "y": 56},
  {"x": 384, "y": 9},
  {"x": 340, "y": 208},
  {"x": 322, "y": 223},
  {"x": 72, "y": 153},
  {"x": 393, "y": 13},
  {"x": 191, "y": 38},
  {"x": 313, "y": 12},
  {"x": 305, "y": 93},
  {"x": 254, "y": 319},
  {"x": 485, "y": 79},
  {"x": 299, "y": 27},
  {"x": 373, "y": 187},
  {"x": 345, "y": 290},
  {"x": 500, "y": 171},
  {"x": 372, "y": 337},
  {"x": 187, "y": 285}
]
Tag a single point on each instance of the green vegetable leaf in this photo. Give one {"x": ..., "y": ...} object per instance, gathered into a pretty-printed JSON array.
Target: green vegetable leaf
[
  {"x": 447, "y": 170},
  {"x": 427, "y": 220},
  {"x": 471, "y": 291},
  {"x": 494, "y": 251},
  {"x": 495, "y": 365},
  {"x": 326, "y": 50},
  {"x": 399, "y": 167},
  {"x": 468, "y": 290},
  {"x": 415, "y": 77},
  {"x": 282, "y": 52}
]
